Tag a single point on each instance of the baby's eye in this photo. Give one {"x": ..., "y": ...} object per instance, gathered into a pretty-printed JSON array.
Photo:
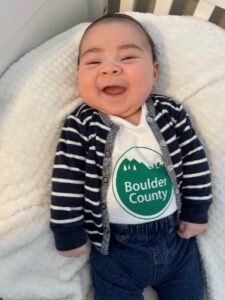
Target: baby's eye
[
  {"x": 93, "y": 62},
  {"x": 128, "y": 58}
]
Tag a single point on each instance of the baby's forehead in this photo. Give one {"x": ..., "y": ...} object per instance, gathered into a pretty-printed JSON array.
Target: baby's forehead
[
  {"x": 95, "y": 28},
  {"x": 114, "y": 23}
]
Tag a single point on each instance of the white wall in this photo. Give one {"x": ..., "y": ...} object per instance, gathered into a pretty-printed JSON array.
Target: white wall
[{"x": 25, "y": 24}]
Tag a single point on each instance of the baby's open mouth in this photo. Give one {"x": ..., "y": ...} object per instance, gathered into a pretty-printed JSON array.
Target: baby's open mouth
[{"x": 114, "y": 90}]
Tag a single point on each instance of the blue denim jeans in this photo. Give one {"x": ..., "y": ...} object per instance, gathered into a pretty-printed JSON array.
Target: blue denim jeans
[{"x": 149, "y": 254}]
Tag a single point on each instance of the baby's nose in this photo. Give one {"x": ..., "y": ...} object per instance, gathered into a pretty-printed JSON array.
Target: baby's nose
[{"x": 111, "y": 68}]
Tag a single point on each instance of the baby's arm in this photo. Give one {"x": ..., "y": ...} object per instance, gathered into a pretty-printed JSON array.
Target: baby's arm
[
  {"x": 196, "y": 182},
  {"x": 67, "y": 199},
  {"x": 75, "y": 252},
  {"x": 187, "y": 230}
]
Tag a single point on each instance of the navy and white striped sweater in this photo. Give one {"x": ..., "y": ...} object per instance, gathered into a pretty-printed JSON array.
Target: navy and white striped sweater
[{"x": 82, "y": 171}]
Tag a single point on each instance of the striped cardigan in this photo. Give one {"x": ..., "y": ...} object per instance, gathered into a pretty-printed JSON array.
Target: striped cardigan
[{"x": 82, "y": 171}]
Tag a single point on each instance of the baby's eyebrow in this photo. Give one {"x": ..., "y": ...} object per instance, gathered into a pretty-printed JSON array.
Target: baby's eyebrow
[
  {"x": 91, "y": 50},
  {"x": 131, "y": 46}
]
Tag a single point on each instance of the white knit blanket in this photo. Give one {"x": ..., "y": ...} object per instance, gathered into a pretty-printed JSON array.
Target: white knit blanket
[{"x": 37, "y": 93}]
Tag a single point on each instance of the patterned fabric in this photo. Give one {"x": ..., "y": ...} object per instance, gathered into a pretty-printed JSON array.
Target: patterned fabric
[{"x": 82, "y": 170}]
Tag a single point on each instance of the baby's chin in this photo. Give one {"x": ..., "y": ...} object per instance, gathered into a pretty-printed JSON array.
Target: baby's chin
[
  {"x": 132, "y": 117},
  {"x": 117, "y": 108},
  {"x": 116, "y": 112}
]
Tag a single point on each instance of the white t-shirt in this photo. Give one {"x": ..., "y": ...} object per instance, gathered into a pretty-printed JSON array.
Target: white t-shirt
[{"x": 140, "y": 188}]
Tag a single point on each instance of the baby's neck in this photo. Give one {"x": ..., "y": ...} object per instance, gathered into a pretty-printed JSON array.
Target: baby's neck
[{"x": 134, "y": 118}]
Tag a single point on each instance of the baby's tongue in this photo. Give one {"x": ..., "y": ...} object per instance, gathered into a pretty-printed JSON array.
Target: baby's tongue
[{"x": 114, "y": 90}]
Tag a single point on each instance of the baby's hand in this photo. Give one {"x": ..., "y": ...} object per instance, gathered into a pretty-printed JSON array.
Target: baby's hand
[
  {"x": 75, "y": 252},
  {"x": 188, "y": 230}
]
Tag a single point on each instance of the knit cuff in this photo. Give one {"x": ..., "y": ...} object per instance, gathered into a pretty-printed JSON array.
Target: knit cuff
[
  {"x": 195, "y": 212},
  {"x": 69, "y": 239}
]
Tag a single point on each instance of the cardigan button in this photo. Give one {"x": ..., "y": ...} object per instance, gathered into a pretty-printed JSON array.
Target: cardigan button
[
  {"x": 107, "y": 154},
  {"x": 150, "y": 119},
  {"x": 162, "y": 143},
  {"x": 170, "y": 168},
  {"x": 105, "y": 179},
  {"x": 103, "y": 206}
]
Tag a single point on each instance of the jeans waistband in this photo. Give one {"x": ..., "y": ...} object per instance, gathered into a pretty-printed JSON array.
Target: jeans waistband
[{"x": 161, "y": 225}]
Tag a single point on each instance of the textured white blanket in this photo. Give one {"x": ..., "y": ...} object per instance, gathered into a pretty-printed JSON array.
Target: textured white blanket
[{"x": 37, "y": 93}]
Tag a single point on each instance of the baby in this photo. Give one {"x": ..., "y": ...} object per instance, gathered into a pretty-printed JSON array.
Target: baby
[{"x": 130, "y": 174}]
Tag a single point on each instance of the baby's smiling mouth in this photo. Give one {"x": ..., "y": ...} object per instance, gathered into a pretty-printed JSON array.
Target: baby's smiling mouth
[{"x": 114, "y": 90}]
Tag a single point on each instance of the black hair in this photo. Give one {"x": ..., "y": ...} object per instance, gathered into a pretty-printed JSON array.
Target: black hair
[{"x": 119, "y": 16}]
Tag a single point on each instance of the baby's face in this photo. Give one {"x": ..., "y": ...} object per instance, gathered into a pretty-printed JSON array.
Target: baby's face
[{"x": 116, "y": 73}]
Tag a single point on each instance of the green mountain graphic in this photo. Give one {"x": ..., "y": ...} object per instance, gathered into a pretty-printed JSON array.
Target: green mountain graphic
[{"x": 134, "y": 165}]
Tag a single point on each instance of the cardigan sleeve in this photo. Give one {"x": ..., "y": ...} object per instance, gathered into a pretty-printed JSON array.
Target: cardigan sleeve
[
  {"x": 67, "y": 195},
  {"x": 196, "y": 181}
]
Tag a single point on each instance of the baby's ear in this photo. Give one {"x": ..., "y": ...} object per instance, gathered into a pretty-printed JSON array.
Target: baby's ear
[{"x": 156, "y": 66}]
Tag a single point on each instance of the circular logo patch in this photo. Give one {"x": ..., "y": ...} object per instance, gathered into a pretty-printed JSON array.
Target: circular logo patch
[{"x": 142, "y": 190}]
